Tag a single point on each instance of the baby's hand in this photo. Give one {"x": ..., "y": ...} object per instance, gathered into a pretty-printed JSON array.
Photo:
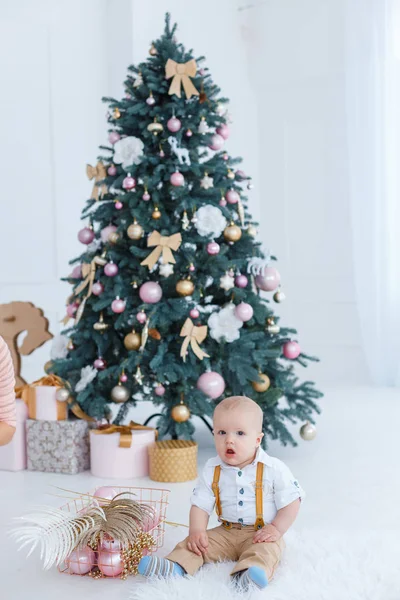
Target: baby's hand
[
  {"x": 198, "y": 542},
  {"x": 269, "y": 533}
]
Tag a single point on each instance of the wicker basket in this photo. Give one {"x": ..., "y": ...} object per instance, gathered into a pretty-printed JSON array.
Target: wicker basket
[{"x": 173, "y": 461}]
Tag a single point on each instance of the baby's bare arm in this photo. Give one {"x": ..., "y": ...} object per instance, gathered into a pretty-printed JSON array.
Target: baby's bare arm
[
  {"x": 6, "y": 433},
  {"x": 198, "y": 539},
  {"x": 284, "y": 519}
]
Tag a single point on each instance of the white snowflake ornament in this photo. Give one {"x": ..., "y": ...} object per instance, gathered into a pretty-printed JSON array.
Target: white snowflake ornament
[
  {"x": 227, "y": 282},
  {"x": 138, "y": 80},
  {"x": 210, "y": 221},
  {"x": 207, "y": 182},
  {"x": 128, "y": 151}
]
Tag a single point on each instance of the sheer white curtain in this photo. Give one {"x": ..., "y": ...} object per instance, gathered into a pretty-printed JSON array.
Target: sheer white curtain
[{"x": 373, "y": 117}]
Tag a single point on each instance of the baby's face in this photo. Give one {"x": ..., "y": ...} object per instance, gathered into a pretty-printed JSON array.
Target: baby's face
[{"x": 237, "y": 436}]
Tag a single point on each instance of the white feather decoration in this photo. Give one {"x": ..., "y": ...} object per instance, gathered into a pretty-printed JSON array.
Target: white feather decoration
[
  {"x": 59, "y": 347},
  {"x": 87, "y": 375},
  {"x": 55, "y": 531}
]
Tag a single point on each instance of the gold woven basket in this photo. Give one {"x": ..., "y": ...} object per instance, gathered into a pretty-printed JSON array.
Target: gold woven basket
[{"x": 173, "y": 461}]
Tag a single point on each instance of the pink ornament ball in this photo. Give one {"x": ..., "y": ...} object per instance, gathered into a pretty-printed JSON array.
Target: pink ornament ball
[
  {"x": 100, "y": 364},
  {"x": 241, "y": 174},
  {"x": 159, "y": 390},
  {"x": 118, "y": 305},
  {"x": 194, "y": 313},
  {"x": 129, "y": 183},
  {"x": 225, "y": 156},
  {"x": 86, "y": 235},
  {"x": 123, "y": 378},
  {"x": 161, "y": 154},
  {"x": 76, "y": 272},
  {"x": 232, "y": 197},
  {"x": 244, "y": 311},
  {"x": 222, "y": 202},
  {"x": 150, "y": 292},
  {"x": 104, "y": 233},
  {"x": 217, "y": 142},
  {"x": 141, "y": 317},
  {"x": 177, "y": 179},
  {"x": 211, "y": 384},
  {"x": 150, "y": 101},
  {"x": 291, "y": 350},
  {"x": 110, "y": 563},
  {"x": 146, "y": 196},
  {"x": 98, "y": 288},
  {"x": 241, "y": 281},
  {"x": 114, "y": 137},
  {"x": 189, "y": 133},
  {"x": 119, "y": 205},
  {"x": 72, "y": 308},
  {"x": 105, "y": 493},
  {"x": 81, "y": 561},
  {"x": 213, "y": 248},
  {"x": 192, "y": 268},
  {"x": 112, "y": 170},
  {"x": 224, "y": 131},
  {"x": 174, "y": 124},
  {"x": 111, "y": 269},
  {"x": 269, "y": 281}
]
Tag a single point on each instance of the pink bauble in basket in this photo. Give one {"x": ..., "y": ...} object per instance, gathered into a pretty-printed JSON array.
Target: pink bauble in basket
[
  {"x": 110, "y": 563},
  {"x": 81, "y": 561},
  {"x": 105, "y": 493}
]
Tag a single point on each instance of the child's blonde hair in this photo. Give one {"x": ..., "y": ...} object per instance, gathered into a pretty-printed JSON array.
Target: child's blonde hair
[{"x": 247, "y": 404}]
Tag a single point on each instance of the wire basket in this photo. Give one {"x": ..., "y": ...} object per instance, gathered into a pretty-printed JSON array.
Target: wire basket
[{"x": 106, "y": 561}]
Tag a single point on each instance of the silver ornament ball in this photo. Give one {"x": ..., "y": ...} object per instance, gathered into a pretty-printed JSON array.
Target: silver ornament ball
[
  {"x": 308, "y": 431},
  {"x": 120, "y": 393},
  {"x": 62, "y": 395}
]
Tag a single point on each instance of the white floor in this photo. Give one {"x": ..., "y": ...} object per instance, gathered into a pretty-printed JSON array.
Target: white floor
[{"x": 350, "y": 473}]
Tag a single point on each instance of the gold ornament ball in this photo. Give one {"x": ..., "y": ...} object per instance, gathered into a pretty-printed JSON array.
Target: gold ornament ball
[
  {"x": 232, "y": 233},
  {"x": 62, "y": 395},
  {"x": 180, "y": 413},
  {"x": 100, "y": 325},
  {"x": 153, "y": 51},
  {"x": 231, "y": 174},
  {"x": 48, "y": 366},
  {"x": 116, "y": 113},
  {"x": 113, "y": 237},
  {"x": 308, "y": 431},
  {"x": 135, "y": 231},
  {"x": 132, "y": 341},
  {"x": 185, "y": 287},
  {"x": 156, "y": 214},
  {"x": 273, "y": 328},
  {"x": 261, "y": 386},
  {"x": 120, "y": 393},
  {"x": 252, "y": 231}
]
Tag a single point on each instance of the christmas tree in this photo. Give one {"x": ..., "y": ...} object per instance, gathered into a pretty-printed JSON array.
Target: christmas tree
[{"x": 169, "y": 298}]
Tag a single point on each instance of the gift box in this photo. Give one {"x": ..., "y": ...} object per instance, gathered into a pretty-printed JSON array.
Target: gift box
[
  {"x": 121, "y": 451},
  {"x": 40, "y": 397},
  {"x": 13, "y": 455},
  {"x": 57, "y": 446},
  {"x": 173, "y": 461}
]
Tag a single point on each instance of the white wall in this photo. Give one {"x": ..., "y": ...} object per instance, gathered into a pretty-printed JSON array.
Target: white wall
[
  {"x": 295, "y": 55},
  {"x": 59, "y": 58}
]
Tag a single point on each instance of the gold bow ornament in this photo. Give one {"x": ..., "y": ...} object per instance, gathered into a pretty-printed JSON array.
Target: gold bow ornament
[
  {"x": 28, "y": 393},
  {"x": 194, "y": 335},
  {"x": 164, "y": 245},
  {"x": 181, "y": 73},
  {"x": 125, "y": 431},
  {"x": 88, "y": 274},
  {"x": 98, "y": 173}
]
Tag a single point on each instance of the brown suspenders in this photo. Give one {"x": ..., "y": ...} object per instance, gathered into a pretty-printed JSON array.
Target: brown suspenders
[{"x": 259, "y": 496}]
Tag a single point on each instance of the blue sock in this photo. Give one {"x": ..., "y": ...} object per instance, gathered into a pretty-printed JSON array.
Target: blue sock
[
  {"x": 253, "y": 575},
  {"x": 154, "y": 566}
]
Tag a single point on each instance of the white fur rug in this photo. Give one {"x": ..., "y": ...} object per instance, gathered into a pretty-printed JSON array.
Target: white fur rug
[{"x": 317, "y": 565}]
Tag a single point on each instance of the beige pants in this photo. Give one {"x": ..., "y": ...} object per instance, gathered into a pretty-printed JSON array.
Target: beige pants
[{"x": 231, "y": 544}]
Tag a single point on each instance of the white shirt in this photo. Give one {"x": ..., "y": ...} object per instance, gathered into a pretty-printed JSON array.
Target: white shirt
[{"x": 237, "y": 489}]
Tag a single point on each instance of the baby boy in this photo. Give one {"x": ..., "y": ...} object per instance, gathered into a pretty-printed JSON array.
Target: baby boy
[{"x": 255, "y": 497}]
